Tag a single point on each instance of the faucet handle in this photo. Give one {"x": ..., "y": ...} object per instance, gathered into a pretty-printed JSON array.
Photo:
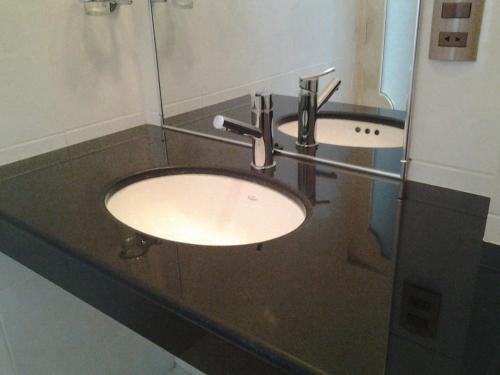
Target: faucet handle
[
  {"x": 235, "y": 126},
  {"x": 316, "y": 77},
  {"x": 310, "y": 85},
  {"x": 261, "y": 130}
]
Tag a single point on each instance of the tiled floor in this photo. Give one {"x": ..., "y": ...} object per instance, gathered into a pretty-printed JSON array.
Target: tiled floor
[
  {"x": 45, "y": 330},
  {"x": 7, "y": 367}
]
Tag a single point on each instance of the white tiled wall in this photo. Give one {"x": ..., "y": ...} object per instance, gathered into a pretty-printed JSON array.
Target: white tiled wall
[
  {"x": 455, "y": 133},
  {"x": 227, "y": 48},
  {"x": 66, "y": 77}
]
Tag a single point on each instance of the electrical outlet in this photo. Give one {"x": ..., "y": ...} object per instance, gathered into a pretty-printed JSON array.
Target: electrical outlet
[
  {"x": 449, "y": 39},
  {"x": 456, "y": 26},
  {"x": 420, "y": 310}
]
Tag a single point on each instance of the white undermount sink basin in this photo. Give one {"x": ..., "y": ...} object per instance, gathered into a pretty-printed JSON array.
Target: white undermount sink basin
[
  {"x": 351, "y": 133},
  {"x": 206, "y": 206}
]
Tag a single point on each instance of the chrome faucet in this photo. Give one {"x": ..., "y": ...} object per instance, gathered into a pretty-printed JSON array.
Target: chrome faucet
[
  {"x": 309, "y": 105},
  {"x": 261, "y": 130}
]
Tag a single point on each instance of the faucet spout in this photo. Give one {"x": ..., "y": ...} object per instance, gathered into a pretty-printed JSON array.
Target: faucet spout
[
  {"x": 327, "y": 93},
  {"x": 309, "y": 105}
]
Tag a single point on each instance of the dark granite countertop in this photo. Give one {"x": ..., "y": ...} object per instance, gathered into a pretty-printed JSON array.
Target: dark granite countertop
[{"x": 316, "y": 301}]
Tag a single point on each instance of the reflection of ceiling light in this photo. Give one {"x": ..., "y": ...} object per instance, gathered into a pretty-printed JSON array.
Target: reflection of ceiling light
[{"x": 102, "y": 7}]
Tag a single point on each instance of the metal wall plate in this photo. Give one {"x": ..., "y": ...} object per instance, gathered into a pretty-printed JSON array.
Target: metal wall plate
[{"x": 456, "y": 25}]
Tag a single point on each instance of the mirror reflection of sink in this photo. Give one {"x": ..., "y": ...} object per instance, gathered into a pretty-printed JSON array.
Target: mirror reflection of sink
[
  {"x": 351, "y": 133},
  {"x": 204, "y": 206}
]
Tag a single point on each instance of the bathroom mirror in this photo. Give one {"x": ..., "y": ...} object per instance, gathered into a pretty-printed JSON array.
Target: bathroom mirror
[{"x": 213, "y": 56}]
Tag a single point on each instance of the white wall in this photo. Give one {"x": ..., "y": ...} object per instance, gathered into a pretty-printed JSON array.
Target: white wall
[
  {"x": 66, "y": 77},
  {"x": 455, "y": 136},
  {"x": 455, "y": 127},
  {"x": 228, "y": 48}
]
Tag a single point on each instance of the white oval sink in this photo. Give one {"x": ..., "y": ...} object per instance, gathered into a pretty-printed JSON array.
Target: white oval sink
[
  {"x": 351, "y": 133},
  {"x": 204, "y": 207}
]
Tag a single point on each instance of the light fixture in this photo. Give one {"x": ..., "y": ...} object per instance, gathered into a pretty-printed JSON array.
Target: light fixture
[{"x": 102, "y": 7}]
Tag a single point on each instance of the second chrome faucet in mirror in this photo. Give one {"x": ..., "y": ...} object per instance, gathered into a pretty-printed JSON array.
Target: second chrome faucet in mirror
[{"x": 310, "y": 102}]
